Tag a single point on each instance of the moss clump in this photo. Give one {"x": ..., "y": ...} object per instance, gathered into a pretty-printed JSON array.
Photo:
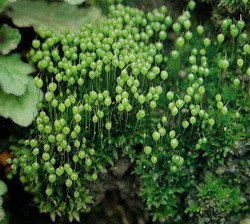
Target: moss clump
[{"x": 139, "y": 79}]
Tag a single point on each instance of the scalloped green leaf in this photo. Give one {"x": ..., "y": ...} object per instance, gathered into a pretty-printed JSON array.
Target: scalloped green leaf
[
  {"x": 9, "y": 39},
  {"x": 21, "y": 109},
  {"x": 3, "y": 188},
  {"x": 2, "y": 4},
  {"x": 2, "y": 215},
  {"x": 75, "y": 2},
  {"x": 52, "y": 16},
  {"x": 13, "y": 74}
]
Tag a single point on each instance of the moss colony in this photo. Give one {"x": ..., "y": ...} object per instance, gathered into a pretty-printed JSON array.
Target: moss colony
[{"x": 166, "y": 93}]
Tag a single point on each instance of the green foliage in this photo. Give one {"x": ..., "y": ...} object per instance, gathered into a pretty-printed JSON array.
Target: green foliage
[
  {"x": 51, "y": 16},
  {"x": 139, "y": 80},
  {"x": 214, "y": 200},
  {"x": 21, "y": 109},
  {"x": 229, "y": 9},
  {"x": 18, "y": 94},
  {"x": 9, "y": 39},
  {"x": 75, "y": 2},
  {"x": 161, "y": 189},
  {"x": 3, "y": 190},
  {"x": 2, "y": 4},
  {"x": 234, "y": 5},
  {"x": 14, "y": 75}
]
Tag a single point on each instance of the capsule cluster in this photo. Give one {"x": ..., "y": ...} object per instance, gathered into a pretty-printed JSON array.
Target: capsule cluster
[{"x": 138, "y": 75}]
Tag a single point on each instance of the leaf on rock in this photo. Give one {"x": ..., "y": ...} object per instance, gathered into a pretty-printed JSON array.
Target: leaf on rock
[
  {"x": 21, "y": 109},
  {"x": 75, "y": 2},
  {"x": 9, "y": 39},
  {"x": 52, "y": 16},
  {"x": 13, "y": 74}
]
